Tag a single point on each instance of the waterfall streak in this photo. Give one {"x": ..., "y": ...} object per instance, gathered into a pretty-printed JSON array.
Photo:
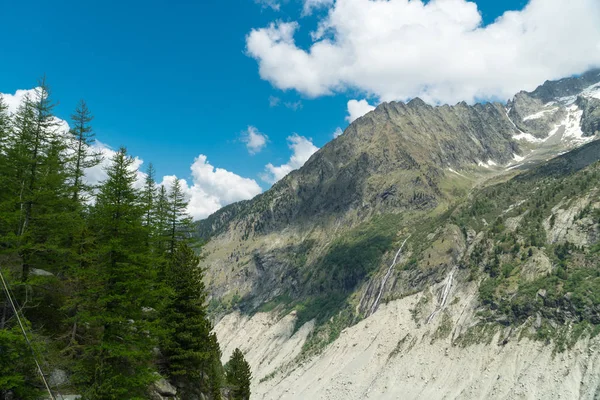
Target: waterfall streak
[{"x": 387, "y": 275}]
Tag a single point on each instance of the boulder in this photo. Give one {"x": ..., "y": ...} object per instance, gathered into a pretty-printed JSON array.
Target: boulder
[
  {"x": 39, "y": 272},
  {"x": 164, "y": 388},
  {"x": 58, "y": 377}
]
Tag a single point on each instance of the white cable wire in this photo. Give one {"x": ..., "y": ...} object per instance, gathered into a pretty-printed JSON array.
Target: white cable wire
[{"x": 12, "y": 304}]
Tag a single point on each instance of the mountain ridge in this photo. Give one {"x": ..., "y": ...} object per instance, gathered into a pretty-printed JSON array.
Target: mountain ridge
[{"x": 489, "y": 205}]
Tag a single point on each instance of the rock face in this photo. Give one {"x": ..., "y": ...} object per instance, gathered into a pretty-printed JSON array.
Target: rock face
[
  {"x": 58, "y": 377},
  {"x": 590, "y": 119},
  {"x": 398, "y": 158},
  {"x": 313, "y": 282},
  {"x": 392, "y": 356},
  {"x": 550, "y": 106},
  {"x": 163, "y": 390}
]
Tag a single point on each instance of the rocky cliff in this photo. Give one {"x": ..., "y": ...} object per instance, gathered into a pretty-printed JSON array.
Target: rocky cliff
[{"x": 456, "y": 220}]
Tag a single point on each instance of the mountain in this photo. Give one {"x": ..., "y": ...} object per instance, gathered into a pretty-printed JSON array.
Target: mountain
[{"x": 452, "y": 229}]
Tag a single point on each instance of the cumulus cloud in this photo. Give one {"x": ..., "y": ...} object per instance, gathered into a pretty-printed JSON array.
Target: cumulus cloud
[
  {"x": 302, "y": 148},
  {"x": 338, "y": 131},
  {"x": 213, "y": 188},
  {"x": 358, "y": 108},
  {"x": 255, "y": 141},
  {"x": 13, "y": 100},
  {"x": 311, "y": 5},
  {"x": 437, "y": 50},
  {"x": 273, "y": 4},
  {"x": 97, "y": 174},
  {"x": 210, "y": 189}
]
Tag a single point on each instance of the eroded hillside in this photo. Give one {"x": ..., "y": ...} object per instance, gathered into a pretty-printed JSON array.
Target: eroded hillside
[{"x": 461, "y": 216}]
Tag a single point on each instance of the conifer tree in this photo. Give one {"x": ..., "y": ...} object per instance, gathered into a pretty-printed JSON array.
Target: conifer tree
[
  {"x": 18, "y": 376},
  {"x": 180, "y": 223},
  {"x": 36, "y": 182},
  {"x": 149, "y": 195},
  {"x": 161, "y": 221},
  {"x": 238, "y": 375},
  {"x": 188, "y": 347},
  {"x": 41, "y": 134},
  {"x": 117, "y": 360},
  {"x": 82, "y": 139},
  {"x": 5, "y": 132}
]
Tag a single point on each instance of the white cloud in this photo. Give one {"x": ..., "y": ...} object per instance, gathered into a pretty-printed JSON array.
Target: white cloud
[
  {"x": 302, "y": 148},
  {"x": 210, "y": 189},
  {"x": 255, "y": 141},
  {"x": 338, "y": 131},
  {"x": 273, "y": 4},
  {"x": 274, "y": 101},
  {"x": 97, "y": 174},
  {"x": 213, "y": 188},
  {"x": 438, "y": 50},
  {"x": 13, "y": 100},
  {"x": 358, "y": 108},
  {"x": 294, "y": 105},
  {"x": 311, "y": 5}
]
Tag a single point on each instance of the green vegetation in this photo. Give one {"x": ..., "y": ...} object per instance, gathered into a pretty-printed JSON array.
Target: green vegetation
[
  {"x": 354, "y": 255},
  {"x": 238, "y": 376},
  {"x": 105, "y": 278},
  {"x": 444, "y": 329},
  {"x": 17, "y": 370},
  {"x": 569, "y": 292},
  {"x": 189, "y": 348}
]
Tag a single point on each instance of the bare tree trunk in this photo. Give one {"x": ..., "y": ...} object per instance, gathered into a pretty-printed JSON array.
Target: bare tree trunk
[{"x": 4, "y": 312}]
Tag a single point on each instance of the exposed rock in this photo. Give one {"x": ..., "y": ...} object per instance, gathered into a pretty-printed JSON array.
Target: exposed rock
[
  {"x": 371, "y": 360},
  {"x": 590, "y": 120},
  {"x": 58, "y": 377},
  {"x": 564, "y": 226},
  {"x": 163, "y": 388},
  {"x": 513, "y": 223},
  {"x": 40, "y": 272},
  {"x": 537, "y": 266},
  {"x": 533, "y": 116},
  {"x": 394, "y": 162}
]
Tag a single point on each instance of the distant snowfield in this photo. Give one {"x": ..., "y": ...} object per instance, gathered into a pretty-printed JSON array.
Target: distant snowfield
[
  {"x": 390, "y": 356},
  {"x": 528, "y": 137},
  {"x": 592, "y": 91},
  {"x": 540, "y": 114}
]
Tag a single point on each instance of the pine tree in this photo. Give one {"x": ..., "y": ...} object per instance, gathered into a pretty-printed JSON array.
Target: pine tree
[
  {"x": 216, "y": 372},
  {"x": 18, "y": 376},
  {"x": 5, "y": 132},
  {"x": 189, "y": 345},
  {"x": 18, "y": 149},
  {"x": 117, "y": 359},
  {"x": 82, "y": 139},
  {"x": 161, "y": 221},
  {"x": 41, "y": 134},
  {"x": 149, "y": 195},
  {"x": 180, "y": 224},
  {"x": 36, "y": 181},
  {"x": 238, "y": 376}
]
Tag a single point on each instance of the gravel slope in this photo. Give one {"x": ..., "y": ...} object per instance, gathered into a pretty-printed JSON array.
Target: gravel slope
[{"x": 391, "y": 356}]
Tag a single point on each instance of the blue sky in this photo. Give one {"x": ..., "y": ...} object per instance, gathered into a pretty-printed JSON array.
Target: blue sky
[{"x": 173, "y": 79}]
